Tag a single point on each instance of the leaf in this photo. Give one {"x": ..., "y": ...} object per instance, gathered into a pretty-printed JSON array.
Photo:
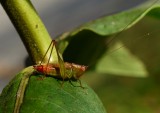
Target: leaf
[
  {"x": 88, "y": 43},
  {"x": 118, "y": 22},
  {"x": 116, "y": 62},
  {"x": 47, "y": 96}
]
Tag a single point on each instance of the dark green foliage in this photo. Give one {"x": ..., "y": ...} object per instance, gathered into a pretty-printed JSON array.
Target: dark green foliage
[{"x": 49, "y": 96}]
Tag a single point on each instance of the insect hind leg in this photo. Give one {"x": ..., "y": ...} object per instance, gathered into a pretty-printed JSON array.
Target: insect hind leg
[{"x": 70, "y": 81}]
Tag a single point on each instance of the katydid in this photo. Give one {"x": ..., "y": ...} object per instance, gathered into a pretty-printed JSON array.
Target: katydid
[{"x": 62, "y": 70}]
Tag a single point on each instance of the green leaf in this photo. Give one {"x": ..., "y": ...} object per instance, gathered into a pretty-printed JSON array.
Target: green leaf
[
  {"x": 27, "y": 93},
  {"x": 88, "y": 44},
  {"x": 117, "y": 62},
  {"x": 118, "y": 22}
]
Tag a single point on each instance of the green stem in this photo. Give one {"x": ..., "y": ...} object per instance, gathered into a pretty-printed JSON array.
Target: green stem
[{"x": 29, "y": 26}]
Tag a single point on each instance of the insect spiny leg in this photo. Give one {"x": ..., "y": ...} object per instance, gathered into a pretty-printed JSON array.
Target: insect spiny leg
[
  {"x": 60, "y": 62},
  {"x": 46, "y": 53},
  {"x": 80, "y": 83}
]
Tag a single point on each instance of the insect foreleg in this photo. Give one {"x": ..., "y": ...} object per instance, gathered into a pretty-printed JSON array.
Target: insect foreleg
[{"x": 70, "y": 74}]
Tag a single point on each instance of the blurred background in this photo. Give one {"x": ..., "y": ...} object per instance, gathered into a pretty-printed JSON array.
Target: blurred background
[
  {"x": 119, "y": 94},
  {"x": 58, "y": 16}
]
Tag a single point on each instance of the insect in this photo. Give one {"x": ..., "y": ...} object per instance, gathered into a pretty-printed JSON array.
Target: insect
[{"x": 62, "y": 70}]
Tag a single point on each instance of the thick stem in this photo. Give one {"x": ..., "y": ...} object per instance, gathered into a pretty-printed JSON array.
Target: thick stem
[{"x": 29, "y": 26}]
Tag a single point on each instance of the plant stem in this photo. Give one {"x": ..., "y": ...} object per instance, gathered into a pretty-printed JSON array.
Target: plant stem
[{"x": 29, "y": 26}]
